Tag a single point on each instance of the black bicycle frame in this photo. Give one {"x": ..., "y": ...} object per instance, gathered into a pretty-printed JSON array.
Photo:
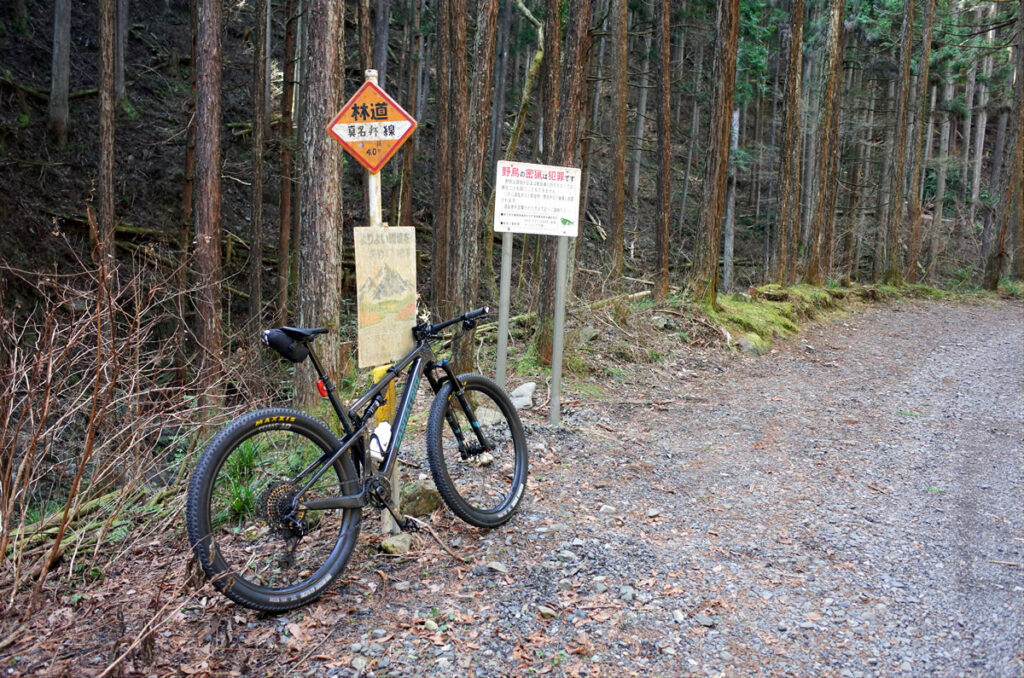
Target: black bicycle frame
[{"x": 419, "y": 361}]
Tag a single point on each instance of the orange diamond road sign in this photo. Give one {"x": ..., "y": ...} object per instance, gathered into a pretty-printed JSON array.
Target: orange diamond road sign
[{"x": 372, "y": 126}]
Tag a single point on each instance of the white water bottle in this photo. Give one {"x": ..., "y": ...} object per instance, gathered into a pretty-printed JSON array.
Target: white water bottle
[{"x": 379, "y": 441}]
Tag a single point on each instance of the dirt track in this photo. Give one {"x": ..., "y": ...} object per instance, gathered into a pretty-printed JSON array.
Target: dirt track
[{"x": 849, "y": 505}]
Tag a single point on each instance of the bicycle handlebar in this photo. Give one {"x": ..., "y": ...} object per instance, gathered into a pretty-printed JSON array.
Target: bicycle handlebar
[{"x": 424, "y": 330}]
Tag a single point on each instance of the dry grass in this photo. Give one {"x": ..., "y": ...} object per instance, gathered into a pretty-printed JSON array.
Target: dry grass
[{"x": 100, "y": 419}]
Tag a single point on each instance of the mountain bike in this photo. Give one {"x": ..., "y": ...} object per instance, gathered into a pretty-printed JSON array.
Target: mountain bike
[{"x": 275, "y": 502}]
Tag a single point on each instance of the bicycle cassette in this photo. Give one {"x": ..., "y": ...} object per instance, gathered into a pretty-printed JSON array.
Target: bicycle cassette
[{"x": 275, "y": 504}]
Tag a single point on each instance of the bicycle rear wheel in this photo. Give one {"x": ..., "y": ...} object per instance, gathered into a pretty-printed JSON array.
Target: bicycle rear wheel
[
  {"x": 477, "y": 451},
  {"x": 251, "y": 544}
]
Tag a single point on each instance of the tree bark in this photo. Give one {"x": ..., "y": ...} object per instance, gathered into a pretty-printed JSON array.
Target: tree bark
[
  {"x": 284, "y": 231},
  {"x": 969, "y": 90},
  {"x": 884, "y": 201},
  {"x": 979, "y": 143},
  {"x": 979, "y": 132},
  {"x": 320, "y": 242},
  {"x": 551, "y": 80},
  {"x": 620, "y": 80},
  {"x": 381, "y": 33},
  {"x": 680, "y": 68},
  {"x": 729, "y": 231},
  {"x": 772, "y": 225},
  {"x": 716, "y": 173},
  {"x": 917, "y": 171},
  {"x": 120, "y": 48},
  {"x": 593, "y": 124},
  {"x": 929, "y": 136},
  {"x": 857, "y": 178},
  {"x": 500, "y": 85},
  {"x": 105, "y": 178},
  {"x": 259, "y": 77},
  {"x": 365, "y": 36},
  {"x": 208, "y": 195},
  {"x": 938, "y": 223},
  {"x": 409, "y": 150},
  {"x": 641, "y": 121},
  {"x": 464, "y": 115},
  {"x": 662, "y": 243},
  {"x": 999, "y": 147},
  {"x": 442, "y": 302},
  {"x": 567, "y": 107},
  {"x": 185, "y": 231},
  {"x": 862, "y": 185},
  {"x": 809, "y": 189},
  {"x": 1011, "y": 189},
  {"x": 896, "y": 194},
  {"x": 789, "y": 190},
  {"x": 60, "y": 72},
  {"x": 694, "y": 134},
  {"x": 823, "y": 221}
]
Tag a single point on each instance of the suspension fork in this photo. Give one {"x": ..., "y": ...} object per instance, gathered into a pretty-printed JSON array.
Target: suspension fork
[{"x": 460, "y": 394}]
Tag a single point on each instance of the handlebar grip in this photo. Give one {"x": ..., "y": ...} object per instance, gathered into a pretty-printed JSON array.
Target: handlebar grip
[{"x": 476, "y": 313}]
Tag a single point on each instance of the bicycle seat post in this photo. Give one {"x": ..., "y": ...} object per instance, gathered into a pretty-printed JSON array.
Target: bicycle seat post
[{"x": 332, "y": 396}]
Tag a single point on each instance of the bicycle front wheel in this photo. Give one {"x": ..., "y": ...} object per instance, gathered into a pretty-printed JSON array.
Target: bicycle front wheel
[
  {"x": 251, "y": 541},
  {"x": 477, "y": 451}
]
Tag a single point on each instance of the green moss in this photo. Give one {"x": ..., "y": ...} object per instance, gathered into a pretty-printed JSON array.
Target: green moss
[
  {"x": 756, "y": 343},
  {"x": 888, "y": 291},
  {"x": 815, "y": 297},
  {"x": 776, "y": 310},
  {"x": 763, "y": 318},
  {"x": 922, "y": 291},
  {"x": 838, "y": 293},
  {"x": 787, "y": 310},
  {"x": 1012, "y": 288},
  {"x": 574, "y": 363},
  {"x": 529, "y": 363}
]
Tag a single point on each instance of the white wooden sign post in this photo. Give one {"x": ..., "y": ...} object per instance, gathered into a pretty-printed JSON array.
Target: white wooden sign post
[{"x": 543, "y": 200}]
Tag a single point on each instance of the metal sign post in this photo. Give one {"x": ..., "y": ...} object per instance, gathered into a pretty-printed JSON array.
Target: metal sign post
[
  {"x": 503, "y": 304},
  {"x": 544, "y": 200},
  {"x": 558, "y": 344}
]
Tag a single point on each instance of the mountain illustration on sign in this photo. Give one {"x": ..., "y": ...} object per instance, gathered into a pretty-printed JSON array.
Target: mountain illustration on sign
[
  {"x": 385, "y": 283},
  {"x": 567, "y": 222}
]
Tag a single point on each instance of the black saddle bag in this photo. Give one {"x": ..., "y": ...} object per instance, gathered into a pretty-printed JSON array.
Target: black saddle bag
[{"x": 292, "y": 349}]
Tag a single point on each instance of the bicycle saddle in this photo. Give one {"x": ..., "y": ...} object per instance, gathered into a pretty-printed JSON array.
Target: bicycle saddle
[
  {"x": 290, "y": 342},
  {"x": 303, "y": 333}
]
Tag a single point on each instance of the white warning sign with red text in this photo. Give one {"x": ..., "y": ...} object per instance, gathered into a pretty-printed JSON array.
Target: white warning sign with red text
[{"x": 539, "y": 199}]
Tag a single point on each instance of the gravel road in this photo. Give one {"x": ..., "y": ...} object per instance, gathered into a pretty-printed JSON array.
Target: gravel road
[
  {"x": 860, "y": 496},
  {"x": 849, "y": 505}
]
